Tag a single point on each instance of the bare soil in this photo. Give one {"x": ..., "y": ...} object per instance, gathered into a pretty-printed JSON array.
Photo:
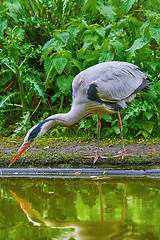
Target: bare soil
[{"x": 51, "y": 152}]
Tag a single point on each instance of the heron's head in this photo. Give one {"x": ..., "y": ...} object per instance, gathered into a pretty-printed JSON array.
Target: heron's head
[{"x": 33, "y": 134}]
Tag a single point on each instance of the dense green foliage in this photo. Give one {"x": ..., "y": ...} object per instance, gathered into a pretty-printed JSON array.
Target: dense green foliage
[{"x": 44, "y": 44}]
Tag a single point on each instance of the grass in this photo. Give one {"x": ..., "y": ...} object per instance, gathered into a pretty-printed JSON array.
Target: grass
[{"x": 54, "y": 151}]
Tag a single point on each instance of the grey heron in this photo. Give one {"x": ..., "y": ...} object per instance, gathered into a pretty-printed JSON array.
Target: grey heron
[{"x": 102, "y": 89}]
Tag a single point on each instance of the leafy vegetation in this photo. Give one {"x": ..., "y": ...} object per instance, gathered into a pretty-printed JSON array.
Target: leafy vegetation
[{"x": 44, "y": 44}]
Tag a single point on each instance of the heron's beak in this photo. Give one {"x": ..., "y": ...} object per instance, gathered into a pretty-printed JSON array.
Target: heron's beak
[{"x": 22, "y": 149}]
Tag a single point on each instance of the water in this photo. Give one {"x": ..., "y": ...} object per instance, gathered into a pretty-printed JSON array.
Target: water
[{"x": 79, "y": 208}]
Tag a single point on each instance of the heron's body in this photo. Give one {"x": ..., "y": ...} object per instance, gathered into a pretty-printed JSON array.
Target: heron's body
[{"x": 99, "y": 90}]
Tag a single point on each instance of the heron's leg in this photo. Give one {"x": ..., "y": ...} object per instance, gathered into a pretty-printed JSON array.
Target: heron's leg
[
  {"x": 120, "y": 128},
  {"x": 98, "y": 139},
  {"x": 98, "y": 134},
  {"x": 123, "y": 154},
  {"x": 98, "y": 155}
]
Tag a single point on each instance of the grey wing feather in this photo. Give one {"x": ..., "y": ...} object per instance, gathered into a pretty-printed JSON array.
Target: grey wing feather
[
  {"x": 119, "y": 81},
  {"x": 114, "y": 81}
]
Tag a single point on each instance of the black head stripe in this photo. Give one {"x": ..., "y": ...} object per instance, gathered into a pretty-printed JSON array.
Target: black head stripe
[{"x": 34, "y": 133}]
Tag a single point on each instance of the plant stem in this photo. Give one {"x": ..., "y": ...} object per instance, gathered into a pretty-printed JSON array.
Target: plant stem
[
  {"x": 21, "y": 90},
  {"x": 61, "y": 103}
]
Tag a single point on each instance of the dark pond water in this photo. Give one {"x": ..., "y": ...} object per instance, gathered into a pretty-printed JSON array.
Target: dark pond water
[{"x": 77, "y": 208}]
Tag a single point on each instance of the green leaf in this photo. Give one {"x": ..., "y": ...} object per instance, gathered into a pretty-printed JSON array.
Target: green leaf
[
  {"x": 3, "y": 25},
  {"x": 13, "y": 70},
  {"x": 47, "y": 48},
  {"x": 35, "y": 85},
  {"x": 59, "y": 46},
  {"x": 55, "y": 96},
  {"x": 144, "y": 133},
  {"x": 13, "y": 16},
  {"x": 24, "y": 121},
  {"x": 107, "y": 10},
  {"x": 107, "y": 118},
  {"x": 64, "y": 83},
  {"x": 48, "y": 64},
  {"x": 148, "y": 127},
  {"x": 5, "y": 99},
  {"x": 126, "y": 5},
  {"x": 144, "y": 29},
  {"x": 155, "y": 32},
  {"x": 59, "y": 63},
  {"x": 148, "y": 115},
  {"x": 49, "y": 68},
  {"x": 63, "y": 37},
  {"x": 152, "y": 65},
  {"x": 118, "y": 46},
  {"x": 101, "y": 31},
  {"x": 138, "y": 44},
  {"x": 73, "y": 31},
  {"x": 18, "y": 32},
  {"x": 106, "y": 56},
  {"x": 77, "y": 64},
  {"x": 116, "y": 129},
  {"x": 90, "y": 6},
  {"x": 89, "y": 59},
  {"x": 86, "y": 45}
]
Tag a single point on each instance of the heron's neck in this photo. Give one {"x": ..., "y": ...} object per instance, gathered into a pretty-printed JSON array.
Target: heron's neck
[{"x": 63, "y": 119}]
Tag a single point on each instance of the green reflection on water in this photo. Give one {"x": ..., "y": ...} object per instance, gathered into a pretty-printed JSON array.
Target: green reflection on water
[{"x": 112, "y": 208}]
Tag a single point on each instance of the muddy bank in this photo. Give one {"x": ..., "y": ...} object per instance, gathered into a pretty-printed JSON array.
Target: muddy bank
[{"x": 51, "y": 152}]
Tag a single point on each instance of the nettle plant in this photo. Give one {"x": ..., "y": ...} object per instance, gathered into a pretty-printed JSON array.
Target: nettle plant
[
  {"x": 21, "y": 82},
  {"x": 44, "y": 44},
  {"x": 127, "y": 33}
]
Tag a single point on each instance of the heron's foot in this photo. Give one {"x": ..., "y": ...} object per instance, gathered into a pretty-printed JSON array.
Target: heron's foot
[
  {"x": 95, "y": 157},
  {"x": 123, "y": 155}
]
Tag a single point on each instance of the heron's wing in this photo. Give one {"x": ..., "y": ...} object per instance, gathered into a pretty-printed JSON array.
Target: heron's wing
[{"x": 119, "y": 82}]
